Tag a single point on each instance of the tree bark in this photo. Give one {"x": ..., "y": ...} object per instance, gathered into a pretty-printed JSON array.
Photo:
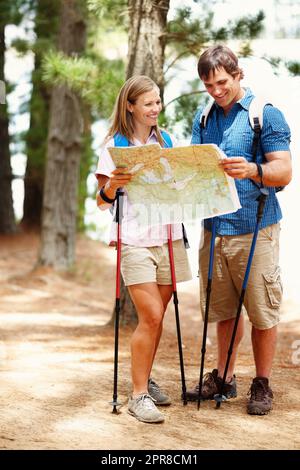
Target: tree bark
[
  {"x": 7, "y": 218},
  {"x": 63, "y": 153},
  {"x": 146, "y": 54},
  {"x": 146, "y": 46},
  {"x": 36, "y": 138}
]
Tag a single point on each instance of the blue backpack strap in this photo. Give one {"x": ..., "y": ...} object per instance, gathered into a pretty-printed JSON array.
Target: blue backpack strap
[
  {"x": 167, "y": 139},
  {"x": 120, "y": 140}
]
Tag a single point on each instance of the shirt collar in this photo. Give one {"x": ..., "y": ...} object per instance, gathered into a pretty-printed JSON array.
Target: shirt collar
[
  {"x": 151, "y": 136},
  {"x": 245, "y": 101}
]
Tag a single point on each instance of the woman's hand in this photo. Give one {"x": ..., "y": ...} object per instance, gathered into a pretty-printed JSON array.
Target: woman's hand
[{"x": 119, "y": 178}]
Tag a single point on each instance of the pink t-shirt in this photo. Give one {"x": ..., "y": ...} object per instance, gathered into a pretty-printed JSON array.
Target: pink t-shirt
[{"x": 132, "y": 233}]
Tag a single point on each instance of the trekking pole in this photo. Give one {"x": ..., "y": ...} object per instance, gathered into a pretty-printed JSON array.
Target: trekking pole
[
  {"x": 175, "y": 300},
  {"x": 208, "y": 291},
  {"x": 118, "y": 219},
  {"x": 219, "y": 397}
]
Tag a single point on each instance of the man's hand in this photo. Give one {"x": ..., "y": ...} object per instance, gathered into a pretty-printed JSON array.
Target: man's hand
[{"x": 239, "y": 167}]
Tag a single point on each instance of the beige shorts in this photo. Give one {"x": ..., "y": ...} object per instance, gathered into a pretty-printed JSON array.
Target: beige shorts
[
  {"x": 151, "y": 264},
  {"x": 264, "y": 290}
]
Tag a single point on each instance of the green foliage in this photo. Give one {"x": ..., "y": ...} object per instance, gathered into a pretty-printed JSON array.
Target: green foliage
[
  {"x": 185, "y": 107},
  {"x": 248, "y": 27},
  {"x": 11, "y": 11},
  {"x": 293, "y": 67},
  {"x": 22, "y": 46},
  {"x": 245, "y": 49},
  {"x": 277, "y": 62},
  {"x": 110, "y": 12},
  {"x": 91, "y": 76},
  {"x": 189, "y": 36},
  {"x": 45, "y": 28},
  {"x": 97, "y": 81},
  {"x": 274, "y": 61}
]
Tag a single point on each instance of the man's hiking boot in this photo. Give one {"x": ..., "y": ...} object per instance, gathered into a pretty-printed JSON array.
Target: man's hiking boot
[
  {"x": 260, "y": 402},
  {"x": 161, "y": 398},
  {"x": 211, "y": 386},
  {"x": 142, "y": 407}
]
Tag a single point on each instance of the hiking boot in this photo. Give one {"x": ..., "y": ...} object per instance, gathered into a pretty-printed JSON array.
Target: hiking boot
[
  {"x": 157, "y": 394},
  {"x": 260, "y": 402},
  {"x": 211, "y": 386},
  {"x": 142, "y": 407}
]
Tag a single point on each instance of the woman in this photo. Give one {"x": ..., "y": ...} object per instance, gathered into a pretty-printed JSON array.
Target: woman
[{"x": 145, "y": 260}]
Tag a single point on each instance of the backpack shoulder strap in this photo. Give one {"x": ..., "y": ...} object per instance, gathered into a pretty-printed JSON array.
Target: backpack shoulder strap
[
  {"x": 120, "y": 140},
  {"x": 256, "y": 119},
  {"x": 205, "y": 114},
  {"x": 256, "y": 111},
  {"x": 167, "y": 139}
]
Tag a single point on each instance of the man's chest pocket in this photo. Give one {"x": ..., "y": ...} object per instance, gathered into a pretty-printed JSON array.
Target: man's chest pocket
[
  {"x": 208, "y": 137},
  {"x": 240, "y": 144}
]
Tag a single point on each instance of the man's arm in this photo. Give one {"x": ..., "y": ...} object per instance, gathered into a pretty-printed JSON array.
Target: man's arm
[{"x": 277, "y": 170}]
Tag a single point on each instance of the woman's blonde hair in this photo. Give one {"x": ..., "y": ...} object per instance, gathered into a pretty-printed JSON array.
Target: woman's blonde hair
[{"x": 121, "y": 119}]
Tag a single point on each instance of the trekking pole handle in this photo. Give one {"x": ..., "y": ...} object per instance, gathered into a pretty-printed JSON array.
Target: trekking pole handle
[{"x": 261, "y": 203}]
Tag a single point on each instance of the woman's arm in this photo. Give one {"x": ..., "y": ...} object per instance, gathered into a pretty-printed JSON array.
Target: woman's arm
[{"x": 118, "y": 179}]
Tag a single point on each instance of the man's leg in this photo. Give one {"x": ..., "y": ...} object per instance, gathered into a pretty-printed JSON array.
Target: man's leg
[
  {"x": 224, "y": 334},
  {"x": 213, "y": 380},
  {"x": 223, "y": 303},
  {"x": 264, "y": 346},
  {"x": 261, "y": 395},
  {"x": 262, "y": 302}
]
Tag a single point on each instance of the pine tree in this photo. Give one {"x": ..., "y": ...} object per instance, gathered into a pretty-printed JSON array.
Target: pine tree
[
  {"x": 46, "y": 18},
  {"x": 64, "y": 150},
  {"x": 9, "y": 14}
]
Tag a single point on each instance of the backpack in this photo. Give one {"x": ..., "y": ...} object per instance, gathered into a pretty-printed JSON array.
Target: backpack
[
  {"x": 122, "y": 141},
  {"x": 256, "y": 111}
]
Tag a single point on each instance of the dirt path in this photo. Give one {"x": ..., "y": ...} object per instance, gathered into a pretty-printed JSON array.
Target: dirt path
[{"x": 56, "y": 366}]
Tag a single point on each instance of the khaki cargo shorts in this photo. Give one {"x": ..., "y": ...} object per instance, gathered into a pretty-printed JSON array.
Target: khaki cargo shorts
[
  {"x": 151, "y": 264},
  {"x": 264, "y": 290}
]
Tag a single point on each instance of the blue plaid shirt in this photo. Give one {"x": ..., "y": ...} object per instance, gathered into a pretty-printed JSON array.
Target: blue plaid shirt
[{"x": 234, "y": 135}]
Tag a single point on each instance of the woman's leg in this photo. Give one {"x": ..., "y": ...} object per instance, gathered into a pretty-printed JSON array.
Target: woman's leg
[
  {"x": 150, "y": 301},
  {"x": 166, "y": 294}
]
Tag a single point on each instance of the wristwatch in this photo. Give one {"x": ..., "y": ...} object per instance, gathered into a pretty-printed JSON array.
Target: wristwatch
[{"x": 106, "y": 198}]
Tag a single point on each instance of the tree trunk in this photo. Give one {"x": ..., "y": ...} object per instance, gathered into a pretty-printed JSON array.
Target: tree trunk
[
  {"x": 86, "y": 162},
  {"x": 63, "y": 153},
  {"x": 146, "y": 48},
  {"x": 128, "y": 315},
  {"x": 7, "y": 218},
  {"x": 36, "y": 138}
]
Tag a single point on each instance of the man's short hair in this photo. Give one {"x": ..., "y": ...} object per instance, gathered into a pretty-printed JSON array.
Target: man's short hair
[{"x": 217, "y": 57}]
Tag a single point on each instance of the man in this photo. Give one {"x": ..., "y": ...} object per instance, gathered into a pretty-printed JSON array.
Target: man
[{"x": 229, "y": 127}]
